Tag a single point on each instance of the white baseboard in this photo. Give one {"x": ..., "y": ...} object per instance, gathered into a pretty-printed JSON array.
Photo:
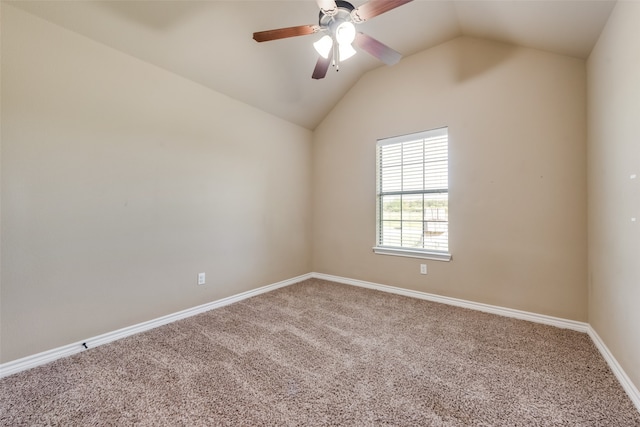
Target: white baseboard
[
  {"x": 615, "y": 367},
  {"x": 32, "y": 361},
  {"x": 493, "y": 309},
  {"x": 38, "y": 359}
]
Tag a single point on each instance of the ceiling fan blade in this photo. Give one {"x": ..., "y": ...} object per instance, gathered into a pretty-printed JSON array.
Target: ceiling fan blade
[
  {"x": 283, "y": 33},
  {"x": 327, "y": 6},
  {"x": 322, "y": 66},
  {"x": 373, "y": 8},
  {"x": 381, "y": 51}
]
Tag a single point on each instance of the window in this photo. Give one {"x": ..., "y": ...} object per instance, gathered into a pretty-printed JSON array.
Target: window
[{"x": 413, "y": 195}]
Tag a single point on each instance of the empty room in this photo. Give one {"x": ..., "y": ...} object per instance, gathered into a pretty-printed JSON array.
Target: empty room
[{"x": 382, "y": 212}]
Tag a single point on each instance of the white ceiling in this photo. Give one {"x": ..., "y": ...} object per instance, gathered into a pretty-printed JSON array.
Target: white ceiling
[{"x": 210, "y": 42}]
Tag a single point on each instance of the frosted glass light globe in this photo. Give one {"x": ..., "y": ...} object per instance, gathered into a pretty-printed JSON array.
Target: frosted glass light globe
[
  {"x": 323, "y": 46},
  {"x": 345, "y": 33}
]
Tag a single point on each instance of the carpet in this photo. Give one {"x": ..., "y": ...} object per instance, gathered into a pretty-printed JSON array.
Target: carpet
[{"x": 321, "y": 353}]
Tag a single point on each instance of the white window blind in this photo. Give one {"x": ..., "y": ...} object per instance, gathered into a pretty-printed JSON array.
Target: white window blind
[{"x": 413, "y": 195}]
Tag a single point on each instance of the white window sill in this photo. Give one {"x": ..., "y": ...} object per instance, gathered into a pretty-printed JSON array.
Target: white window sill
[{"x": 437, "y": 256}]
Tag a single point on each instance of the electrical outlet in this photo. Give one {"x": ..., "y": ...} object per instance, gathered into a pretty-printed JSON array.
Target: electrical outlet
[
  {"x": 423, "y": 268},
  {"x": 201, "y": 279}
]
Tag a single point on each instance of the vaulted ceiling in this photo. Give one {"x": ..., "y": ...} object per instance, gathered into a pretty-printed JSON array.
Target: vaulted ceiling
[{"x": 210, "y": 42}]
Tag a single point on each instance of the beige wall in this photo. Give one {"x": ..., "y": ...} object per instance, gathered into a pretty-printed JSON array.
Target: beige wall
[
  {"x": 121, "y": 182},
  {"x": 613, "y": 71},
  {"x": 517, "y": 128}
]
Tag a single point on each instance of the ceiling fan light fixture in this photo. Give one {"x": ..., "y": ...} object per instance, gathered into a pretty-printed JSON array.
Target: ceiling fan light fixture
[
  {"x": 336, "y": 19},
  {"x": 345, "y": 51},
  {"x": 323, "y": 46},
  {"x": 345, "y": 33}
]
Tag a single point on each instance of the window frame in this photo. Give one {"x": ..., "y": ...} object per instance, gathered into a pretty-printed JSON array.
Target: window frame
[{"x": 432, "y": 254}]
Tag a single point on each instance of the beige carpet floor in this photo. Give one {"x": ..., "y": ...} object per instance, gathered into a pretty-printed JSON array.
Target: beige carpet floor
[{"x": 321, "y": 353}]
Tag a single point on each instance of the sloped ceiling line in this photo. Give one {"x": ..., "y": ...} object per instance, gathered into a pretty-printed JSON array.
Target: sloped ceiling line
[{"x": 210, "y": 41}]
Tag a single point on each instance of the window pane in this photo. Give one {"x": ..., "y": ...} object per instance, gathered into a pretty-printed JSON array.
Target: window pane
[
  {"x": 413, "y": 177},
  {"x": 412, "y": 234},
  {"x": 391, "y": 233},
  {"x": 436, "y": 235},
  {"x": 391, "y": 155},
  {"x": 412, "y": 207},
  {"x": 413, "y": 191},
  {"x": 436, "y": 175},
  {"x": 391, "y": 179},
  {"x": 412, "y": 152},
  {"x": 436, "y": 149},
  {"x": 436, "y": 207},
  {"x": 391, "y": 208}
]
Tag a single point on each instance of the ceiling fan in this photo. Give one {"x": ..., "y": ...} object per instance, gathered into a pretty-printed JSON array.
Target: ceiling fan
[{"x": 337, "y": 19}]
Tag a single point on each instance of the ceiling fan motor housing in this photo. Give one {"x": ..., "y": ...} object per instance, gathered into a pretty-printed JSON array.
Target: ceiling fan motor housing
[{"x": 332, "y": 19}]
